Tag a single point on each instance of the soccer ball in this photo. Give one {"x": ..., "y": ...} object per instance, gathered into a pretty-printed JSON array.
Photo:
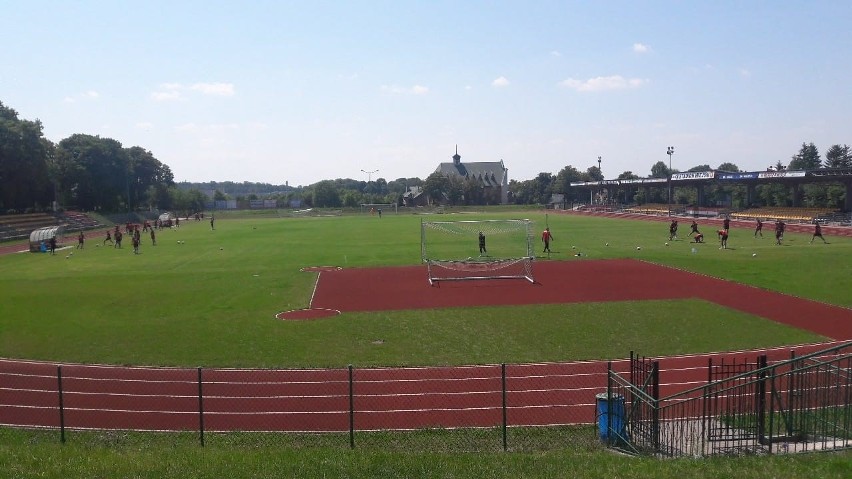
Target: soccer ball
[
  {"x": 606, "y": 244},
  {"x": 753, "y": 255},
  {"x": 667, "y": 244},
  {"x": 573, "y": 247},
  {"x": 638, "y": 248}
]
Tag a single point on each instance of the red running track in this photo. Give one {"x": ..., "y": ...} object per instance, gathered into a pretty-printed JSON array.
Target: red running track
[{"x": 106, "y": 397}]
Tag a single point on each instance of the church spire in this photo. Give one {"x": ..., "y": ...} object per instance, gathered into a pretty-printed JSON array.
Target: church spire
[{"x": 456, "y": 157}]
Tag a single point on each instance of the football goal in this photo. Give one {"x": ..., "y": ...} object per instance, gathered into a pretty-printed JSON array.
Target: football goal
[
  {"x": 486, "y": 249},
  {"x": 374, "y": 208}
]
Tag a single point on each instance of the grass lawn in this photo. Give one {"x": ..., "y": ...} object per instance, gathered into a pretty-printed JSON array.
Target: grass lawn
[{"x": 210, "y": 301}]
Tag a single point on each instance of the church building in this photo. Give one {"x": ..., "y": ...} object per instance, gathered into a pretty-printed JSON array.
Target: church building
[{"x": 492, "y": 176}]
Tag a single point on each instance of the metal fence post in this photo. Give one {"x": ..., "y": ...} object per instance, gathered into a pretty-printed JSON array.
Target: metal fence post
[
  {"x": 351, "y": 408},
  {"x": 503, "y": 387},
  {"x": 609, "y": 441},
  {"x": 200, "y": 409},
  {"x": 760, "y": 404},
  {"x": 655, "y": 373},
  {"x": 61, "y": 404}
]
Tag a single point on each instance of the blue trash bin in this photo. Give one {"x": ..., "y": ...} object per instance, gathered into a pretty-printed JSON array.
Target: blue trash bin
[{"x": 606, "y": 405}]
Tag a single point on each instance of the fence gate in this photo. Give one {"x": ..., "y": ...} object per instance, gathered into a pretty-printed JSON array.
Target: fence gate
[
  {"x": 642, "y": 412},
  {"x": 735, "y": 410}
]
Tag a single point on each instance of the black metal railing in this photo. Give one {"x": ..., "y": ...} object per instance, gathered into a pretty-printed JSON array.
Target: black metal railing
[{"x": 748, "y": 407}]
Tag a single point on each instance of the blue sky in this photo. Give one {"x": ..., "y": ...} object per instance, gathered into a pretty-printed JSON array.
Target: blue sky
[{"x": 301, "y": 91}]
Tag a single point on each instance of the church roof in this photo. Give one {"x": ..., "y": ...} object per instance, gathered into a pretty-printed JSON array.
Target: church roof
[{"x": 489, "y": 173}]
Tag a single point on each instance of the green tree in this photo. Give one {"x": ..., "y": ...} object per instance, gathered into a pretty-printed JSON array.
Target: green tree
[
  {"x": 838, "y": 157},
  {"x": 95, "y": 172},
  {"x": 806, "y": 159},
  {"x": 436, "y": 187},
  {"x": 147, "y": 173},
  {"x": 24, "y": 180},
  {"x": 523, "y": 192},
  {"x": 660, "y": 170},
  {"x": 326, "y": 195}
]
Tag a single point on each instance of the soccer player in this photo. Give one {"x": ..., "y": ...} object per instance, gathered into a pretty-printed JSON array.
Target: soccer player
[
  {"x": 779, "y": 231},
  {"x": 212, "y": 219},
  {"x": 698, "y": 238},
  {"x": 52, "y": 243},
  {"x": 758, "y": 228},
  {"x": 546, "y": 238},
  {"x": 81, "y": 238},
  {"x": 673, "y": 230},
  {"x": 482, "y": 249},
  {"x": 726, "y": 224},
  {"x": 109, "y": 238},
  {"x": 693, "y": 228},
  {"x": 817, "y": 233},
  {"x": 723, "y": 238}
]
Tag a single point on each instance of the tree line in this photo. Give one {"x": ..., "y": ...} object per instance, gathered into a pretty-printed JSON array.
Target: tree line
[{"x": 98, "y": 174}]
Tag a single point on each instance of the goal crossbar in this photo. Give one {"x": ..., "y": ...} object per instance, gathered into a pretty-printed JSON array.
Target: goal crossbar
[{"x": 451, "y": 250}]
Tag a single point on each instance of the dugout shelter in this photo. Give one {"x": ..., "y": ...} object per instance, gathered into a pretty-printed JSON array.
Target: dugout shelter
[{"x": 44, "y": 234}]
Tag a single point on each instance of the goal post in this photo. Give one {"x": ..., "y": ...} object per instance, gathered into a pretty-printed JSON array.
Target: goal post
[
  {"x": 451, "y": 249},
  {"x": 375, "y": 207}
]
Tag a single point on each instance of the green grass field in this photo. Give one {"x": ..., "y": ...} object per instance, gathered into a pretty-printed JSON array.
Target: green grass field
[{"x": 211, "y": 302}]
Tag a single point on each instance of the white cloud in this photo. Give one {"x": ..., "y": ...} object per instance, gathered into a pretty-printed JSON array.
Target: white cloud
[
  {"x": 555, "y": 53},
  {"x": 500, "y": 82},
  {"x": 217, "y": 89},
  {"x": 641, "y": 48},
  {"x": 87, "y": 95},
  {"x": 169, "y": 95},
  {"x": 208, "y": 128},
  {"x": 614, "y": 82},
  {"x": 399, "y": 90},
  {"x": 175, "y": 91},
  {"x": 745, "y": 73}
]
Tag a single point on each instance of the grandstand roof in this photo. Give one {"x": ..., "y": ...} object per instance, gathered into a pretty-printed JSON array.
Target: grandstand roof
[{"x": 697, "y": 177}]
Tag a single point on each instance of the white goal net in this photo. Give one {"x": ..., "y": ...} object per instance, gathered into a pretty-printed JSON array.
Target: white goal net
[{"x": 485, "y": 249}]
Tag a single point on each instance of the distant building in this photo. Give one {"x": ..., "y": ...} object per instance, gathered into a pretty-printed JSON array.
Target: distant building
[
  {"x": 493, "y": 176},
  {"x": 414, "y": 196}
]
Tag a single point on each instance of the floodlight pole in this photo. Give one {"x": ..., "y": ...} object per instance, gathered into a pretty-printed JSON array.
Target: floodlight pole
[
  {"x": 369, "y": 177},
  {"x": 670, "y": 152},
  {"x": 369, "y": 174},
  {"x": 601, "y": 173}
]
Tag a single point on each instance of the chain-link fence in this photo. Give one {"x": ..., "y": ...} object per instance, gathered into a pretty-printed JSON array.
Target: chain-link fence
[{"x": 520, "y": 407}]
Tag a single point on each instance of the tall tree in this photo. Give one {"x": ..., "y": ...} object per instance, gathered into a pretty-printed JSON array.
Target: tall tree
[
  {"x": 95, "y": 172},
  {"x": 806, "y": 159},
  {"x": 838, "y": 157},
  {"x": 24, "y": 180},
  {"x": 660, "y": 170},
  {"x": 436, "y": 187},
  {"x": 326, "y": 195}
]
